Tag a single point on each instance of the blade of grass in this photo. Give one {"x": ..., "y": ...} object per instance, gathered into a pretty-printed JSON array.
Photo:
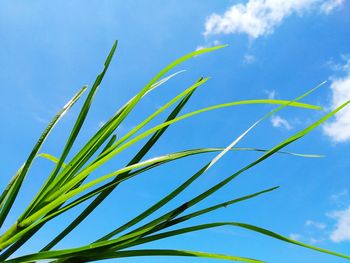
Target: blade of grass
[
  {"x": 102, "y": 160},
  {"x": 164, "y": 71},
  {"x": 178, "y": 190},
  {"x": 143, "y": 151},
  {"x": 28, "y": 234},
  {"x": 61, "y": 198},
  {"x": 149, "y": 86},
  {"x": 182, "y": 187},
  {"x": 201, "y": 81},
  {"x": 11, "y": 195},
  {"x": 241, "y": 225},
  {"x": 134, "y": 253},
  {"x": 163, "y": 252},
  {"x": 10, "y": 185},
  {"x": 172, "y": 214},
  {"x": 75, "y": 131},
  {"x": 190, "y": 216}
]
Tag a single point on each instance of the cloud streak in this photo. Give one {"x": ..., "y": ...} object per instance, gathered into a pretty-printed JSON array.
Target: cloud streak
[{"x": 279, "y": 122}]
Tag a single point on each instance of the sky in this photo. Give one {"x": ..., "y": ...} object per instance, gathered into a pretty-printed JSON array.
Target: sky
[{"x": 276, "y": 49}]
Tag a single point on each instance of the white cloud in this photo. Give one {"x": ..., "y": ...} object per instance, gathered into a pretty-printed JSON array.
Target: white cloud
[
  {"x": 260, "y": 17},
  {"x": 342, "y": 227},
  {"x": 279, "y": 122},
  {"x": 340, "y": 198},
  {"x": 330, "y": 5},
  {"x": 339, "y": 129},
  {"x": 248, "y": 59},
  {"x": 271, "y": 94},
  {"x": 313, "y": 240},
  {"x": 315, "y": 224}
]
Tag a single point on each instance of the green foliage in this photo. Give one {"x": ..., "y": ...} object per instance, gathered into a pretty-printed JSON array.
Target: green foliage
[{"x": 67, "y": 187}]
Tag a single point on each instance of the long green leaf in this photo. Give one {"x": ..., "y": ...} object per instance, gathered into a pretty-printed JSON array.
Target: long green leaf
[
  {"x": 241, "y": 225},
  {"x": 172, "y": 214},
  {"x": 194, "y": 214},
  {"x": 96, "y": 164},
  {"x": 74, "y": 133},
  {"x": 143, "y": 151},
  {"x": 30, "y": 232},
  {"x": 150, "y": 84},
  {"x": 11, "y": 195},
  {"x": 178, "y": 190},
  {"x": 133, "y": 253}
]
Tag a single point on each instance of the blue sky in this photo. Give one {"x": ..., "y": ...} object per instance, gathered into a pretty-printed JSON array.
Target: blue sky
[{"x": 277, "y": 49}]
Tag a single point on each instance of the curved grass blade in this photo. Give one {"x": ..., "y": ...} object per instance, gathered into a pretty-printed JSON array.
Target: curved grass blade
[
  {"x": 133, "y": 253},
  {"x": 28, "y": 233},
  {"x": 198, "y": 83},
  {"x": 241, "y": 225},
  {"x": 61, "y": 199},
  {"x": 51, "y": 158},
  {"x": 11, "y": 195},
  {"x": 178, "y": 190},
  {"x": 74, "y": 133},
  {"x": 163, "y": 252},
  {"x": 105, "y": 131},
  {"x": 149, "y": 85},
  {"x": 143, "y": 151},
  {"x": 172, "y": 214},
  {"x": 150, "y": 164},
  {"x": 98, "y": 163},
  {"x": 10, "y": 185},
  {"x": 190, "y": 216}
]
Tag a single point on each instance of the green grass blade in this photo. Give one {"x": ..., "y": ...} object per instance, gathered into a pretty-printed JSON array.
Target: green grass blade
[
  {"x": 11, "y": 195},
  {"x": 200, "y": 197},
  {"x": 84, "y": 173},
  {"x": 10, "y": 185},
  {"x": 100, "y": 137},
  {"x": 132, "y": 253},
  {"x": 150, "y": 84},
  {"x": 28, "y": 233},
  {"x": 143, "y": 151},
  {"x": 198, "y": 83},
  {"x": 163, "y": 252},
  {"x": 218, "y": 206},
  {"x": 154, "y": 162},
  {"x": 249, "y": 227},
  {"x": 185, "y": 116},
  {"x": 241, "y": 225},
  {"x": 95, "y": 142},
  {"x": 181, "y": 188},
  {"x": 51, "y": 158},
  {"x": 137, "y": 240},
  {"x": 74, "y": 133}
]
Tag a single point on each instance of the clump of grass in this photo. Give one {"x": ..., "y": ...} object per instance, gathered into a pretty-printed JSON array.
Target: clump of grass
[{"x": 67, "y": 186}]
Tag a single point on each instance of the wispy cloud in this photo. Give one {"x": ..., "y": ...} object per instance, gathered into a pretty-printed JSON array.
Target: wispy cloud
[
  {"x": 341, "y": 198},
  {"x": 279, "y": 122},
  {"x": 260, "y": 17},
  {"x": 330, "y": 5},
  {"x": 271, "y": 94},
  {"x": 339, "y": 129},
  {"x": 318, "y": 225},
  {"x": 248, "y": 59},
  {"x": 341, "y": 231}
]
